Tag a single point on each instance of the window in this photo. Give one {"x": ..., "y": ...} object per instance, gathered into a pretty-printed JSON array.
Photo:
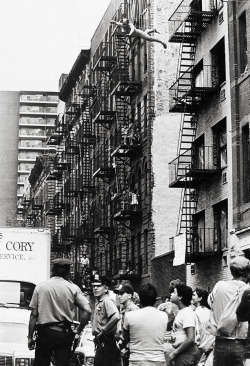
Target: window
[
  {"x": 199, "y": 75},
  {"x": 145, "y": 102},
  {"x": 219, "y": 63},
  {"x": 146, "y": 251},
  {"x": 199, "y": 239},
  {"x": 139, "y": 59},
  {"x": 145, "y": 57},
  {"x": 243, "y": 43},
  {"x": 220, "y": 225},
  {"x": 199, "y": 154},
  {"x": 220, "y": 144},
  {"x": 246, "y": 163},
  {"x": 133, "y": 65}
]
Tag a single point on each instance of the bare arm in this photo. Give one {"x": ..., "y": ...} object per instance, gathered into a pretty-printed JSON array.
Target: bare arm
[
  {"x": 32, "y": 325},
  {"x": 85, "y": 313},
  {"x": 115, "y": 22},
  {"x": 186, "y": 344}
]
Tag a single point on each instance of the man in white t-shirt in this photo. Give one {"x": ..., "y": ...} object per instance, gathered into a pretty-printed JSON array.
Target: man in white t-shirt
[{"x": 145, "y": 329}]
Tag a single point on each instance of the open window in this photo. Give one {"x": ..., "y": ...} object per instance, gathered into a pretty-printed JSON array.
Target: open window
[
  {"x": 221, "y": 225},
  {"x": 219, "y": 63}
]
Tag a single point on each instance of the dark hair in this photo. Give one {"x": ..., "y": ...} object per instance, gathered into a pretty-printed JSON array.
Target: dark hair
[
  {"x": 204, "y": 295},
  {"x": 185, "y": 292},
  {"x": 147, "y": 295},
  {"x": 173, "y": 284},
  {"x": 61, "y": 271}
]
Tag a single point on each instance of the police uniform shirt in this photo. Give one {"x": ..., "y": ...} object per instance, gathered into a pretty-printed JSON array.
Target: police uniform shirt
[
  {"x": 104, "y": 310},
  {"x": 56, "y": 300}
]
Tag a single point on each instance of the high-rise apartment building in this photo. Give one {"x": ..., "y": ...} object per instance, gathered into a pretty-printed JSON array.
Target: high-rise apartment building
[
  {"x": 25, "y": 118},
  {"x": 37, "y": 115}
]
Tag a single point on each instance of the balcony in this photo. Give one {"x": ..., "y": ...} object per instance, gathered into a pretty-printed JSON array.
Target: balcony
[
  {"x": 194, "y": 165},
  {"x": 125, "y": 207},
  {"x": 71, "y": 146},
  {"x": 70, "y": 187},
  {"x": 102, "y": 167},
  {"x": 190, "y": 19},
  {"x": 84, "y": 183},
  {"x": 101, "y": 111},
  {"x": 55, "y": 205},
  {"x": 103, "y": 59},
  {"x": 69, "y": 231},
  {"x": 121, "y": 85},
  {"x": 101, "y": 223},
  {"x": 57, "y": 241},
  {"x": 37, "y": 203},
  {"x": 192, "y": 89},
  {"x": 84, "y": 135},
  {"x": 203, "y": 243},
  {"x": 133, "y": 271},
  {"x": 52, "y": 172}
]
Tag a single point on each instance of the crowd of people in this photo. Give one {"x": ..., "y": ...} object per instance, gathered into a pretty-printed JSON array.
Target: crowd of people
[{"x": 190, "y": 328}]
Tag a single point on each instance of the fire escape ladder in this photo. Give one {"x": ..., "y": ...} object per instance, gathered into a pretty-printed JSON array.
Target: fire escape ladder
[{"x": 188, "y": 208}]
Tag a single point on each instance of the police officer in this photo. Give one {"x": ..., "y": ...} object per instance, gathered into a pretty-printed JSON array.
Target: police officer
[
  {"x": 53, "y": 307},
  {"x": 106, "y": 317}
]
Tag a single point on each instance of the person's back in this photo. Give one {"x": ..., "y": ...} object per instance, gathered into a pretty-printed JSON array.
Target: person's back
[
  {"x": 222, "y": 293},
  {"x": 56, "y": 296},
  {"x": 147, "y": 327},
  {"x": 230, "y": 340}
]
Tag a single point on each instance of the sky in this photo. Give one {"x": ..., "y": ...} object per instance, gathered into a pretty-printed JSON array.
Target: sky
[{"x": 41, "y": 39}]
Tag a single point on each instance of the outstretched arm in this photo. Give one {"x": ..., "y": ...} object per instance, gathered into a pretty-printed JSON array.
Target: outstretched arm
[{"x": 115, "y": 22}]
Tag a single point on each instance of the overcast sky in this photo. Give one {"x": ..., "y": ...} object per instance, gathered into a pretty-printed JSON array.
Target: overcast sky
[{"x": 41, "y": 39}]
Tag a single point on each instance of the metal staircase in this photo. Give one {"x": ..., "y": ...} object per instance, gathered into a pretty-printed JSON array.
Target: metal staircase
[{"x": 186, "y": 24}]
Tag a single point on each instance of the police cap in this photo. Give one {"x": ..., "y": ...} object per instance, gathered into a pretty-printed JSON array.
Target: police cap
[
  {"x": 100, "y": 280},
  {"x": 62, "y": 261}
]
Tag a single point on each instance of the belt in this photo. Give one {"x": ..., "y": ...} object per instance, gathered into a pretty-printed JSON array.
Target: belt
[
  {"x": 230, "y": 339},
  {"x": 57, "y": 327}
]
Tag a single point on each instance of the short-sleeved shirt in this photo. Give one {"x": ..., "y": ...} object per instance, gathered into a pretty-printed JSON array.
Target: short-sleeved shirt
[
  {"x": 146, "y": 329},
  {"x": 56, "y": 300},
  {"x": 104, "y": 310},
  {"x": 185, "y": 318}
]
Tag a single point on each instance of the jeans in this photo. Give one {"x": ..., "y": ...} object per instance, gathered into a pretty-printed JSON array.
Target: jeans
[
  {"x": 229, "y": 352},
  {"x": 50, "y": 340}
]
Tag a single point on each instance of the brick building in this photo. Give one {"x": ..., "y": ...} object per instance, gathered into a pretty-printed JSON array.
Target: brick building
[
  {"x": 212, "y": 167},
  {"x": 109, "y": 191},
  {"x": 105, "y": 191}
]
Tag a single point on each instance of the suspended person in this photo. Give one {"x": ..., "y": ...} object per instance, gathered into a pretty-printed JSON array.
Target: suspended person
[{"x": 131, "y": 31}]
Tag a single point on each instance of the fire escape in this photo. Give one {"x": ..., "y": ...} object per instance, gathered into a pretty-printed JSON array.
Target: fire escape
[
  {"x": 125, "y": 147},
  {"x": 85, "y": 141},
  {"x": 194, "y": 86}
]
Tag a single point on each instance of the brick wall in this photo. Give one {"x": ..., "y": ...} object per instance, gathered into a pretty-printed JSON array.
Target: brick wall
[{"x": 162, "y": 272}]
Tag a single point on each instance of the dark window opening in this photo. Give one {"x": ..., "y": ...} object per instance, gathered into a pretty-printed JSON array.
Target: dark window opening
[
  {"x": 246, "y": 163},
  {"x": 220, "y": 225},
  {"x": 219, "y": 63},
  {"x": 243, "y": 43},
  {"x": 220, "y": 144}
]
